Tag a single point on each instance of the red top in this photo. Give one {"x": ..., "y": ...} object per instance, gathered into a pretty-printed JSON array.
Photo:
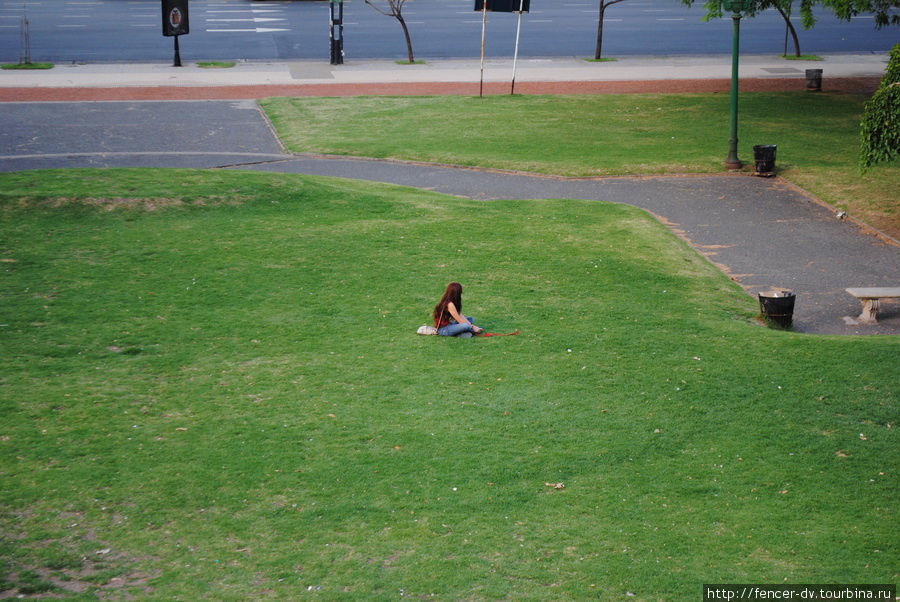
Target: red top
[{"x": 444, "y": 320}]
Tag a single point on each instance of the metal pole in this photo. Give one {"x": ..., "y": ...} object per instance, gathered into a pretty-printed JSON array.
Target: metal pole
[
  {"x": 732, "y": 162},
  {"x": 483, "y": 27},
  {"x": 336, "y": 32},
  {"x": 177, "y": 61},
  {"x": 340, "y": 31},
  {"x": 512, "y": 88}
]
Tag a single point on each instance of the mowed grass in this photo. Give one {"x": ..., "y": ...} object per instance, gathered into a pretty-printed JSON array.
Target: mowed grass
[
  {"x": 212, "y": 389},
  {"x": 816, "y": 135}
]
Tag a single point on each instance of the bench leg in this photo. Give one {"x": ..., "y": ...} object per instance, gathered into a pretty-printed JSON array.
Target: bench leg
[{"x": 869, "y": 311}]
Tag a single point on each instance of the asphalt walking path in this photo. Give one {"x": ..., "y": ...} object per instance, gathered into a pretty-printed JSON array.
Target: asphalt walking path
[{"x": 766, "y": 234}]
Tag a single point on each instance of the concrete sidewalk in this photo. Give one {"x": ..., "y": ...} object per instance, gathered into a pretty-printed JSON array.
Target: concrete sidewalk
[{"x": 267, "y": 73}]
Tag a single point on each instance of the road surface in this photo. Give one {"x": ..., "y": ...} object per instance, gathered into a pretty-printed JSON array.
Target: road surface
[{"x": 118, "y": 30}]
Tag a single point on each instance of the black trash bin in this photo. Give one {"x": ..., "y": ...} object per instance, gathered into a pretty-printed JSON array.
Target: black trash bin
[
  {"x": 764, "y": 156},
  {"x": 814, "y": 80},
  {"x": 777, "y": 308}
]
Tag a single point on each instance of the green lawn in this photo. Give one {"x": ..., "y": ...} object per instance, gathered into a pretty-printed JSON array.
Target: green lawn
[
  {"x": 26, "y": 66},
  {"x": 212, "y": 389},
  {"x": 816, "y": 134}
]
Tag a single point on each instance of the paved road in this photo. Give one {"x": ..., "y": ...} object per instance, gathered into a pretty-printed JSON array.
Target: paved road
[
  {"x": 764, "y": 233},
  {"x": 113, "y": 30}
]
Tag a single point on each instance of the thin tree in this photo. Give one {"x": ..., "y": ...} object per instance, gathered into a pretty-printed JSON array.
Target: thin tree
[
  {"x": 786, "y": 15},
  {"x": 395, "y": 9},
  {"x": 604, "y": 4}
]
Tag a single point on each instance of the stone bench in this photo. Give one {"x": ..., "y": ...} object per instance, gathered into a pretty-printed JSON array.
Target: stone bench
[{"x": 871, "y": 298}]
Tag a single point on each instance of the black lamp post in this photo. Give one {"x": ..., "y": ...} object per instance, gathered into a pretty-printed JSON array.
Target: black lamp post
[
  {"x": 736, "y": 6},
  {"x": 337, "y": 32}
]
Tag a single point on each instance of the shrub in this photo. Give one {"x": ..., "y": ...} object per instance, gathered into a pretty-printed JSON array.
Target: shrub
[{"x": 880, "y": 127}]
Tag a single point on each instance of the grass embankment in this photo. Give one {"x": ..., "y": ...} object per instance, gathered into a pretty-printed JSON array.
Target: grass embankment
[
  {"x": 26, "y": 66},
  {"x": 216, "y": 65},
  {"x": 212, "y": 389},
  {"x": 816, "y": 135}
]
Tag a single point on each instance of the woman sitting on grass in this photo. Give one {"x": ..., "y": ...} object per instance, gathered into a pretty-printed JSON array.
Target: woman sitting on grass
[{"x": 448, "y": 320}]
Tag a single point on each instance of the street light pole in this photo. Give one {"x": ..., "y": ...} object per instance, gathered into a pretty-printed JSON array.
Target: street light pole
[
  {"x": 732, "y": 162},
  {"x": 336, "y": 34},
  {"x": 176, "y": 62}
]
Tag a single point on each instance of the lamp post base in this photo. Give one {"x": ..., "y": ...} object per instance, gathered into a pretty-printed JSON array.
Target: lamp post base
[
  {"x": 176, "y": 61},
  {"x": 733, "y": 164}
]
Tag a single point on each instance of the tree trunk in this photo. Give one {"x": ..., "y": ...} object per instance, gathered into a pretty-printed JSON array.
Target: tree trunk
[
  {"x": 600, "y": 31},
  {"x": 790, "y": 26},
  {"x": 409, "y": 49}
]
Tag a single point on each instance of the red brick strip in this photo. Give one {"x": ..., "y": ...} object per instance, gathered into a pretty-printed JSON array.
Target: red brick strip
[{"x": 852, "y": 85}]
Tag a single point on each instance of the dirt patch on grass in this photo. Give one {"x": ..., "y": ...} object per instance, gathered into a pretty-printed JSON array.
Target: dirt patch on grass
[
  {"x": 100, "y": 574},
  {"x": 75, "y": 565},
  {"x": 130, "y": 203}
]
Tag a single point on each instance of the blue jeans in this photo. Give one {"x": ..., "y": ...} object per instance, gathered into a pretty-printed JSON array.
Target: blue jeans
[{"x": 455, "y": 329}]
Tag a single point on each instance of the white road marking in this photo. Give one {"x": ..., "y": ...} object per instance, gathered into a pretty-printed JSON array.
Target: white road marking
[
  {"x": 253, "y": 20},
  {"x": 257, "y": 30},
  {"x": 243, "y": 12}
]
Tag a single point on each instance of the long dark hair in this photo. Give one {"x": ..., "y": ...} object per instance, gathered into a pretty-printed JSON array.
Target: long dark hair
[{"x": 453, "y": 294}]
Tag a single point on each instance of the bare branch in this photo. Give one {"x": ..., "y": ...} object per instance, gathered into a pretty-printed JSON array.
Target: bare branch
[{"x": 379, "y": 9}]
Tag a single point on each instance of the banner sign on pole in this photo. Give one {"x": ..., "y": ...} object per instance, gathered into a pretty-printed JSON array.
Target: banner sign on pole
[
  {"x": 502, "y": 6},
  {"x": 175, "y": 17}
]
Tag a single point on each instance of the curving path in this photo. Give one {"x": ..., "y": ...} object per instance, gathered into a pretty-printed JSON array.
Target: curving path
[{"x": 764, "y": 233}]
